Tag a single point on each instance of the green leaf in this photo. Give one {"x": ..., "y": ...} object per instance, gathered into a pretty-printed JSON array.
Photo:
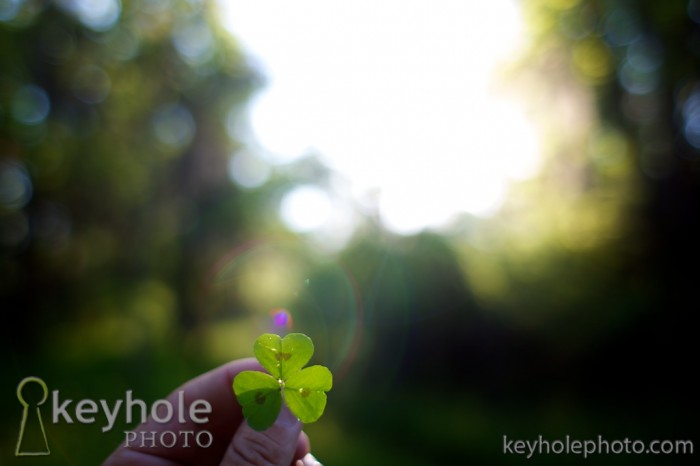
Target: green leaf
[
  {"x": 266, "y": 349},
  {"x": 300, "y": 348},
  {"x": 307, "y": 406},
  {"x": 313, "y": 378},
  {"x": 260, "y": 397},
  {"x": 304, "y": 392},
  {"x": 283, "y": 356}
]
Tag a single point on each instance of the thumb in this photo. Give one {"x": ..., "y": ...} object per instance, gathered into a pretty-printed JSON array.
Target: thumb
[{"x": 275, "y": 446}]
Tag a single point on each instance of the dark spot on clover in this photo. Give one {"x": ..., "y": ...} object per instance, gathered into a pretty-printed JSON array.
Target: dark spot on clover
[
  {"x": 283, "y": 356},
  {"x": 304, "y": 392},
  {"x": 259, "y": 398}
]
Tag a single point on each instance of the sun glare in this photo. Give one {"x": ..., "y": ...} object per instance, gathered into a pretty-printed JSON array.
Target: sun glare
[
  {"x": 305, "y": 209},
  {"x": 396, "y": 96}
]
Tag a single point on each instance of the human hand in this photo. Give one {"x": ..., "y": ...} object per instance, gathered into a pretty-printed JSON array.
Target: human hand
[{"x": 234, "y": 442}]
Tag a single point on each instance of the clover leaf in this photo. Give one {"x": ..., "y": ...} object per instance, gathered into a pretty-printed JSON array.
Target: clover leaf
[
  {"x": 303, "y": 389},
  {"x": 283, "y": 356},
  {"x": 260, "y": 396}
]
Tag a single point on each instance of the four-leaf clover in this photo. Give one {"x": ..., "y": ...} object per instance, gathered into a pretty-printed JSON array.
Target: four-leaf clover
[{"x": 260, "y": 394}]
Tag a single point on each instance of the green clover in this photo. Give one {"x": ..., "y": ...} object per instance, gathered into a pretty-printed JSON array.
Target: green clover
[{"x": 260, "y": 394}]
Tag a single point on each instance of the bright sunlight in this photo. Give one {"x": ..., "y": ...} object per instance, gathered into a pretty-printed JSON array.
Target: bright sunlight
[{"x": 396, "y": 97}]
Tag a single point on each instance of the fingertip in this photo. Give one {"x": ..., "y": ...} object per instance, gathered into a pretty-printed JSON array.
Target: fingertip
[
  {"x": 277, "y": 444},
  {"x": 303, "y": 446},
  {"x": 308, "y": 460}
]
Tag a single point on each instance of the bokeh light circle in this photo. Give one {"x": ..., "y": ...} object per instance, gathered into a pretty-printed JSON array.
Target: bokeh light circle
[
  {"x": 16, "y": 187},
  {"x": 30, "y": 105}
]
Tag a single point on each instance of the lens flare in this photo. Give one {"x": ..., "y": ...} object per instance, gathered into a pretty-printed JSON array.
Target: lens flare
[
  {"x": 281, "y": 318},
  {"x": 254, "y": 287}
]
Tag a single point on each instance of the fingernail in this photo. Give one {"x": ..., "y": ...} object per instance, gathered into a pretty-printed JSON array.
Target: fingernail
[{"x": 310, "y": 460}]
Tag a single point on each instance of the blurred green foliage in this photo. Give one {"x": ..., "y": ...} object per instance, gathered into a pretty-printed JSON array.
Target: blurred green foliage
[
  {"x": 130, "y": 260},
  {"x": 115, "y": 196}
]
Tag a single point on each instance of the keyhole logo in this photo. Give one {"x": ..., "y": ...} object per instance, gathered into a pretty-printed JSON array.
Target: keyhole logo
[{"x": 32, "y": 436}]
